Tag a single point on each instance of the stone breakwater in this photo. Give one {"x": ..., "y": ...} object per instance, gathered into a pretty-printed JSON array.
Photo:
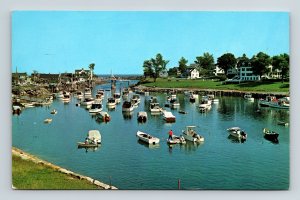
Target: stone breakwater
[{"x": 26, "y": 156}]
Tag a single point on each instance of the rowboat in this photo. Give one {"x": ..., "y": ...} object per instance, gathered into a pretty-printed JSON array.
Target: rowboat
[
  {"x": 147, "y": 138},
  {"x": 270, "y": 135},
  {"x": 142, "y": 116}
]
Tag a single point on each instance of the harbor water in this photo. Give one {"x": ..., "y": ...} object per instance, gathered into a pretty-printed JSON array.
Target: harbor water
[{"x": 220, "y": 162}]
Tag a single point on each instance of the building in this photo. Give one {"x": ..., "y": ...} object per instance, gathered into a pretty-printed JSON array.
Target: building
[
  {"x": 219, "y": 71},
  {"x": 192, "y": 73},
  {"x": 246, "y": 74}
]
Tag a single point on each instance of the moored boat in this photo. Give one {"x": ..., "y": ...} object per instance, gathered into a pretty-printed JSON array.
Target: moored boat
[
  {"x": 103, "y": 116},
  {"x": 142, "y": 116},
  {"x": 248, "y": 97},
  {"x": 176, "y": 140},
  {"x": 48, "y": 120},
  {"x": 282, "y": 123},
  {"x": 270, "y": 135},
  {"x": 237, "y": 132},
  {"x": 127, "y": 106},
  {"x": 95, "y": 136},
  {"x": 117, "y": 97},
  {"x": 154, "y": 108},
  {"x": 169, "y": 117},
  {"x": 96, "y": 107},
  {"x": 190, "y": 134},
  {"x": 87, "y": 101},
  {"x": 53, "y": 112},
  {"x": 147, "y": 138},
  {"x": 111, "y": 102}
]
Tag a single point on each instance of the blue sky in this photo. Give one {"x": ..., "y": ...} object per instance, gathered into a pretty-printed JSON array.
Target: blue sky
[{"x": 62, "y": 41}]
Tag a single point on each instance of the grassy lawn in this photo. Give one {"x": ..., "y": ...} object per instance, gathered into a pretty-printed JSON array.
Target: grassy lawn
[
  {"x": 29, "y": 175},
  {"x": 217, "y": 85}
]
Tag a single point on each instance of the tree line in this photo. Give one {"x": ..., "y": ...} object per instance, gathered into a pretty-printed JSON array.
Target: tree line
[{"x": 206, "y": 64}]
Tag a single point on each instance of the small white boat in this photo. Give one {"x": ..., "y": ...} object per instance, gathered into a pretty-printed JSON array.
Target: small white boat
[
  {"x": 87, "y": 93},
  {"x": 117, "y": 97},
  {"x": 191, "y": 135},
  {"x": 96, "y": 107},
  {"x": 249, "y": 97},
  {"x": 66, "y": 98},
  {"x": 176, "y": 140},
  {"x": 282, "y": 123},
  {"x": 94, "y": 135},
  {"x": 169, "y": 117},
  {"x": 237, "y": 132},
  {"x": 59, "y": 95},
  {"x": 103, "y": 116},
  {"x": 48, "y": 120},
  {"x": 142, "y": 116},
  {"x": 53, "y": 112},
  {"x": 79, "y": 94},
  {"x": 204, "y": 106},
  {"x": 17, "y": 109},
  {"x": 28, "y": 105},
  {"x": 136, "y": 98},
  {"x": 111, "y": 102},
  {"x": 127, "y": 106},
  {"x": 174, "y": 103},
  {"x": 147, "y": 138},
  {"x": 154, "y": 108},
  {"x": 87, "y": 102}
]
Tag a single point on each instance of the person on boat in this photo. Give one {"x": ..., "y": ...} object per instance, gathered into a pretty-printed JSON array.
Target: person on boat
[{"x": 170, "y": 135}]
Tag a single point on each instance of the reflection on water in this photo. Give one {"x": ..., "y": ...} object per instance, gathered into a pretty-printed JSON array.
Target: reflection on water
[
  {"x": 121, "y": 154},
  {"x": 235, "y": 139}
]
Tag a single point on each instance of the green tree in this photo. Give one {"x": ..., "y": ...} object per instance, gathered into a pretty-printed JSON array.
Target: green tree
[
  {"x": 260, "y": 63},
  {"x": 243, "y": 61},
  {"x": 182, "y": 65},
  {"x": 282, "y": 63},
  {"x": 206, "y": 62},
  {"x": 92, "y": 66},
  {"x": 173, "y": 71},
  {"x": 155, "y": 65},
  {"x": 226, "y": 61}
]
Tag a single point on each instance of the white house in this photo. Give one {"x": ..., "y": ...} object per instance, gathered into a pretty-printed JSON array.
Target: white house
[
  {"x": 246, "y": 74},
  {"x": 193, "y": 73},
  {"x": 218, "y": 71}
]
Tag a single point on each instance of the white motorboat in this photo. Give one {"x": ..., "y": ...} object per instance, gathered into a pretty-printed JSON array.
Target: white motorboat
[
  {"x": 111, "y": 102},
  {"x": 95, "y": 136},
  {"x": 282, "y": 103},
  {"x": 147, "y": 138},
  {"x": 117, "y": 97},
  {"x": 154, "y": 108},
  {"x": 142, "y": 116},
  {"x": 66, "y": 98},
  {"x": 176, "y": 140},
  {"x": 136, "y": 98},
  {"x": 249, "y": 97},
  {"x": 59, "y": 95},
  {"x": 79, "y": 94},
  {"x": 127, "y": 106},
  {"x": 134, "y": 102},
  {"x": 191, "y": 135},
  {"x": 87, "y": 93},
  {"x": 53, "y": 112},
  {"x": 48, "y": 120},
  {"x": 96, "y": 107},
  {"x": 237, "y": 132},
  {"x": 174, "y": 103},
  {"x": 169, "y": 117},
  {"x": 87, "y": 102},
  {"x": 103, "y": 116},
  {"x": 205, "y": 105}
]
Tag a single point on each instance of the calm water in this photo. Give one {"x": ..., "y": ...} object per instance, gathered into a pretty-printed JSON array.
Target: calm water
[{"x": 218, "y": 163}]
